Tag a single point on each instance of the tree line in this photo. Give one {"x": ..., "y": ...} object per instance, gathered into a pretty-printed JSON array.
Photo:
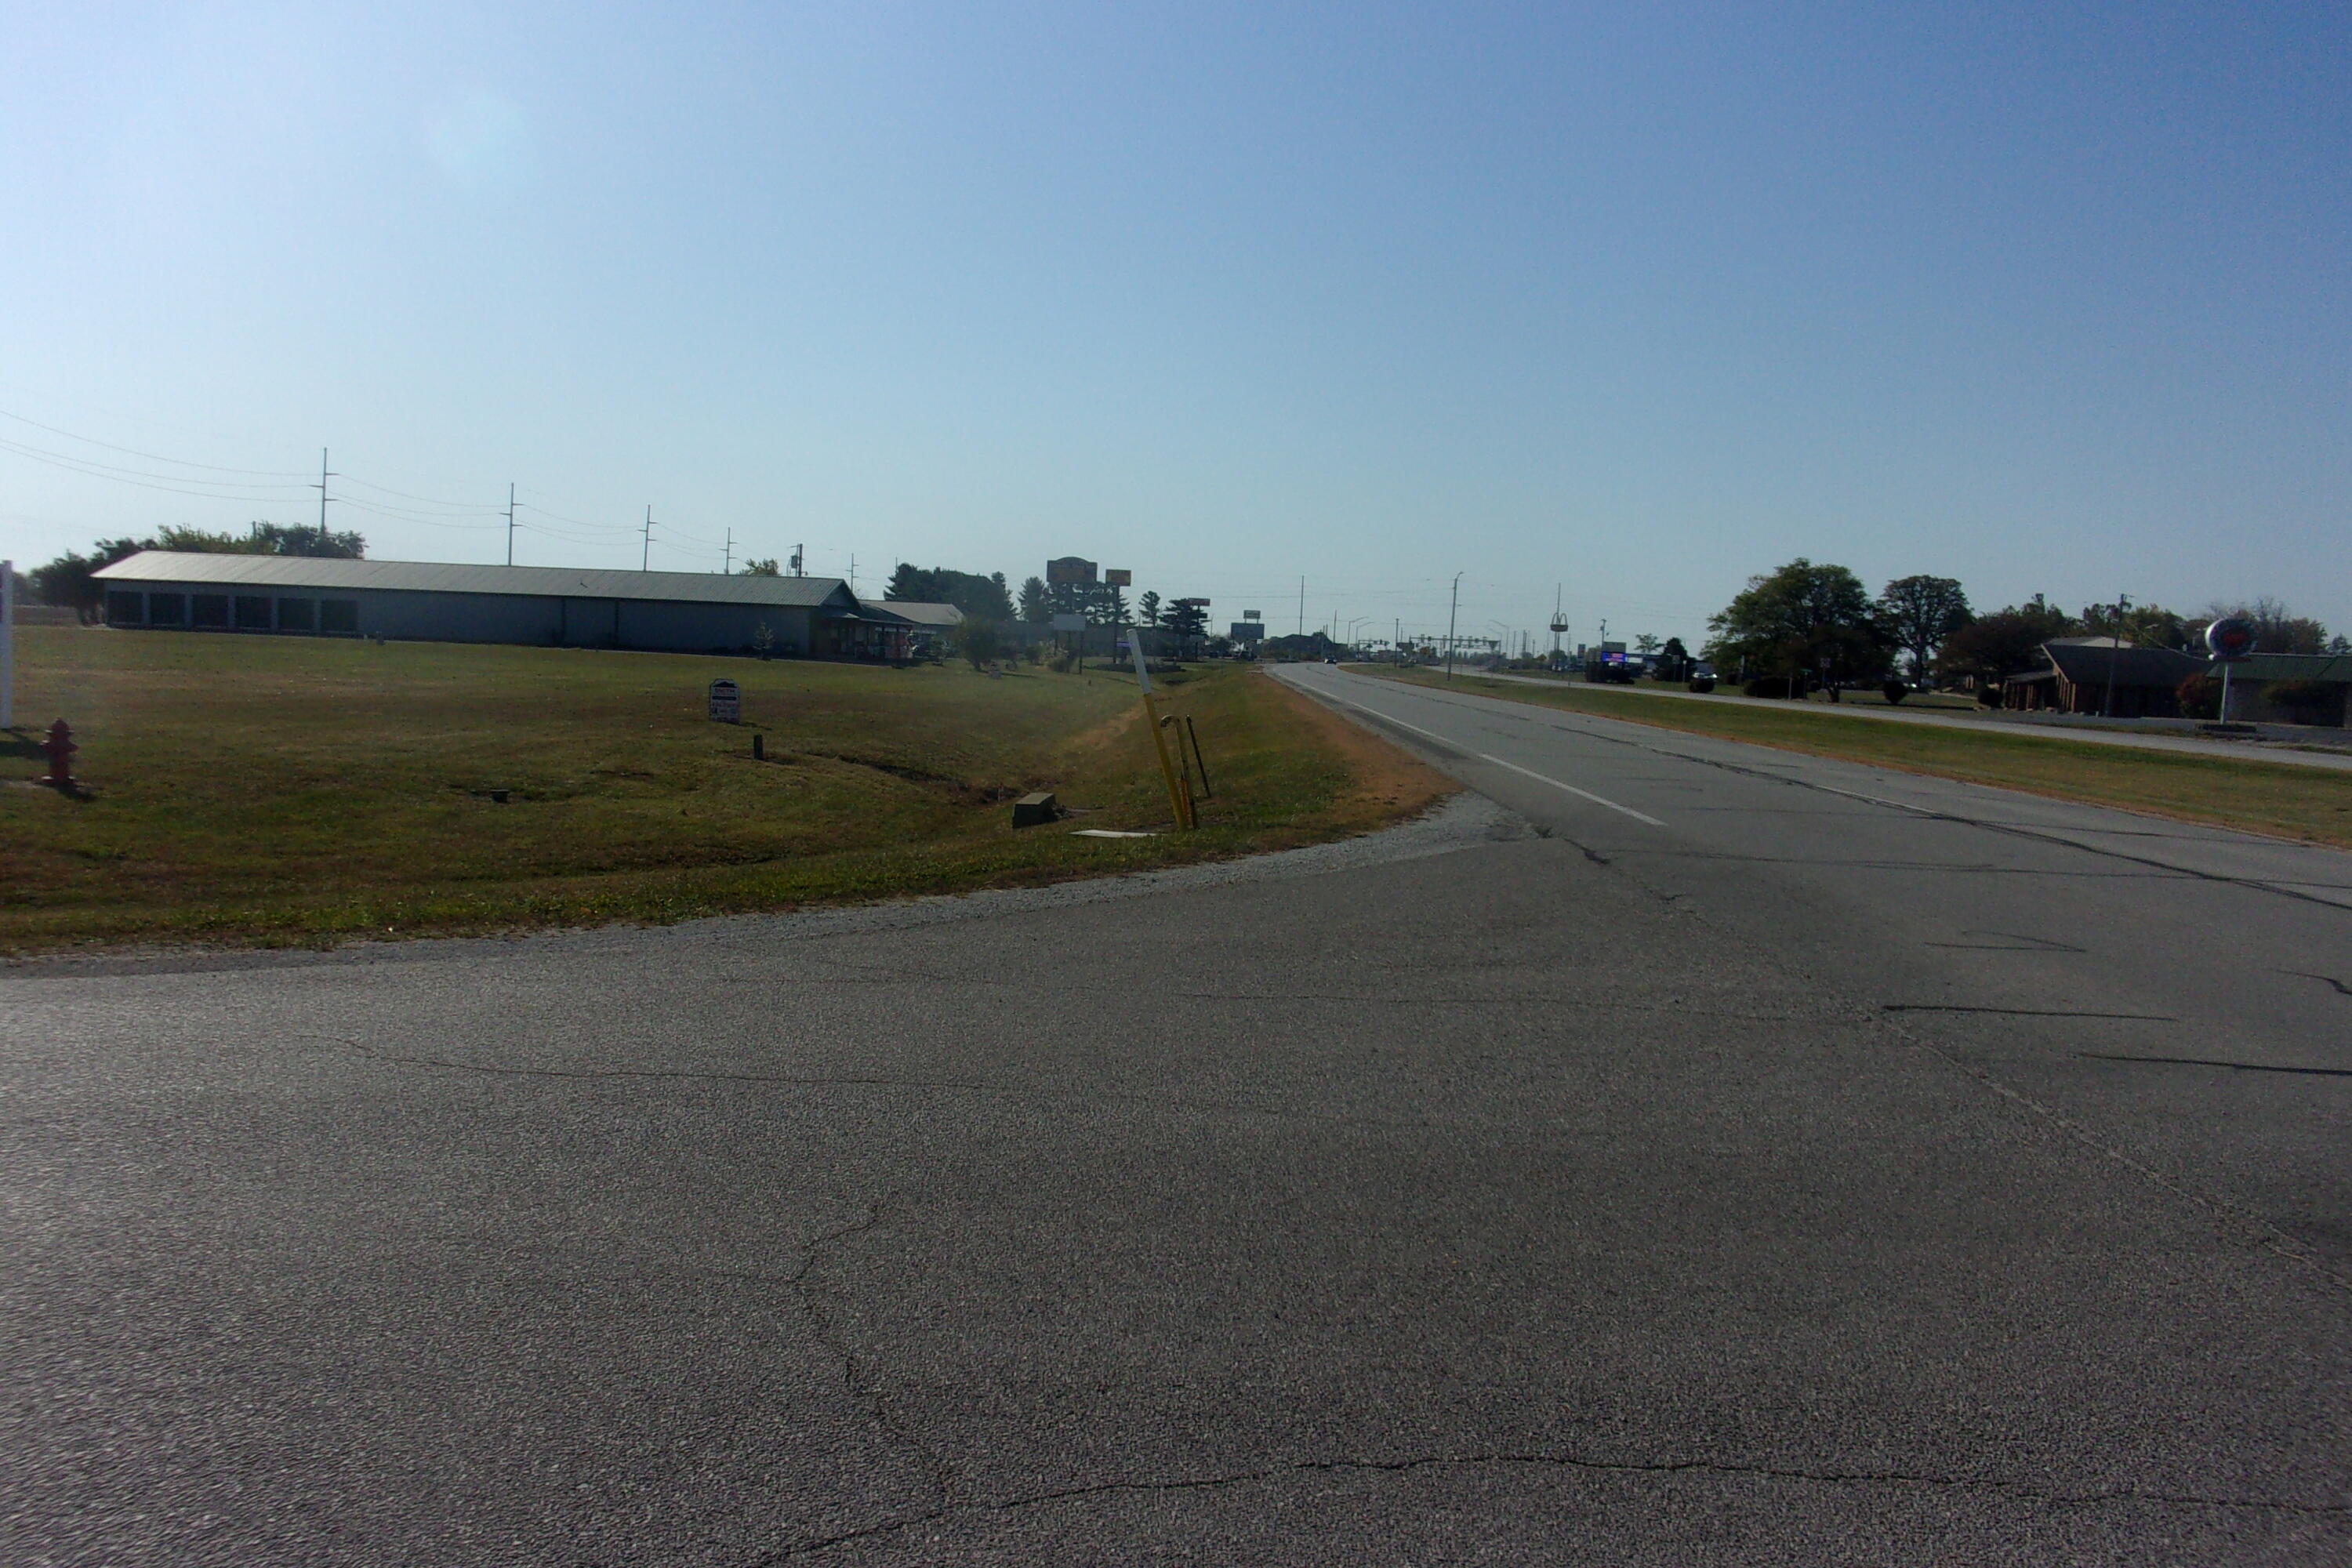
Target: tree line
[{"x": 1812, "y": 622}]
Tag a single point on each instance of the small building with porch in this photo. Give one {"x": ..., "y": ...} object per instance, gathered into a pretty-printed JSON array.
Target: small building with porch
[{"x": 2146, "y": 681}]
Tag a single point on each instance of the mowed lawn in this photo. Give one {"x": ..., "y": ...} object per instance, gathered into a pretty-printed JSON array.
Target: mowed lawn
[
  {"x": 264, "y": 789},
  {"x": 2278, "y": 798}
]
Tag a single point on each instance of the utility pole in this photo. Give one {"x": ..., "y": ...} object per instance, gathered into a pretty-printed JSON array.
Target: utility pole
[
  {"x": 1450, "y": 610},
  {"x": 853, "y": 573},
  {"x": 645, "y": 560},
  {"x": 1302, "y": 606},
  {"x": 728, "y": 568},
  {"x": 509, "y": 522},
  {"x": 2115, "y": 653},
  {"x": 321, "y": 488}
]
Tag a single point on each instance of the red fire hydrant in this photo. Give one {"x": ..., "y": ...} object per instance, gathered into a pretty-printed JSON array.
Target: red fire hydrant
[{"x": 59, "y": 748}]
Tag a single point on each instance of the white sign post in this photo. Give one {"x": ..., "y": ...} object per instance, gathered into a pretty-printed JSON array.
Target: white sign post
[
  {"x": 726, "y": 702},
  {"x": 7, "y": 645}
]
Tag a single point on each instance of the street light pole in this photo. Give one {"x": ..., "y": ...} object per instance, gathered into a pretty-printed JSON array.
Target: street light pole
[{"x": 1454, "y": 605}]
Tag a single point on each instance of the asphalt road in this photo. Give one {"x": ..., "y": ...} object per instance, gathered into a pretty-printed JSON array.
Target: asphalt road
[
  {"x": 1730, "y": 1157},
  {"x": 2308, "y": 747}
]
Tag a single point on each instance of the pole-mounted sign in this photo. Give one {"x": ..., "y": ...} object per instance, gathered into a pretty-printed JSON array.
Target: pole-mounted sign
[
  {"x": 726, "y": 702},
  {"x": 2229, "y": 639}
]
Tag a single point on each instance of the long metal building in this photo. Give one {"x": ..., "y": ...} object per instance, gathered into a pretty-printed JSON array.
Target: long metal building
[{"x": 676, "y": 612}]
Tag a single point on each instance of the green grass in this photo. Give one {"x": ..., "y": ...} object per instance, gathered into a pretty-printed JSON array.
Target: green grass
[
  {"x": 2310, "y": 804},
  {"x": 276, "y": 790}
]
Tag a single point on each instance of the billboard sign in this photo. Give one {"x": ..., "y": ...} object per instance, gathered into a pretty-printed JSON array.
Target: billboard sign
[
  {"x": 1069, "y": 569},
  {"x": 1118, "y": 577}
]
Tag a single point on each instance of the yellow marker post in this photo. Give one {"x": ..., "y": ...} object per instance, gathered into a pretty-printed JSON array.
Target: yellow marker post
[{"x": 1180, "y": 798}]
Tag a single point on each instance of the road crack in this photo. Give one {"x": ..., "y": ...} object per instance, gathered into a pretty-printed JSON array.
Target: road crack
[
  {"x": 857, "y": 1373},
  {"x": 2060, "y": 1496}
]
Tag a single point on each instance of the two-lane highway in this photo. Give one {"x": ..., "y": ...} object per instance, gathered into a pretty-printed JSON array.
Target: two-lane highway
[
  {"x": 2181, "y": 992},
  {"x": 1758, "y": 1161}
]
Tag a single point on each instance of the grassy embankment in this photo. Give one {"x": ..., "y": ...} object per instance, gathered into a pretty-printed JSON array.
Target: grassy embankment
[
  {"x": 258, "y": 790},
  {"x": 2310, "y": 804}
]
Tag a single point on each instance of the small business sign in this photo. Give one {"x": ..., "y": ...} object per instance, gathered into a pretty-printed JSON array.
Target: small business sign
[
  {"x": 1252, "y": 615},
  {"x": 726, "y": 702},
  {"x": 1068, "y": 623},
  {"x": 1069, "y": 569},
  {"x": 1118, "y": 577},
  {"x": 2229, "y": 637}
]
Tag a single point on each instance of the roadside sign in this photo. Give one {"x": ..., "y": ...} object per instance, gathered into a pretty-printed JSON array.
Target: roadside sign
[
  {"x": 2229, "y": 637},
  {"x": 1118, "y": 577},
  {"x": 1068, "y": 623},
  {"x": 726, "y": 702}
]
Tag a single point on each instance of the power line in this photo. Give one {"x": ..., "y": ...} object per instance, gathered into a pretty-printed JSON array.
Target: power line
[
  {"x": 111, "y": 469},
  {"x": 72, "y": 466},
  {"x": 151, "y": 456}
]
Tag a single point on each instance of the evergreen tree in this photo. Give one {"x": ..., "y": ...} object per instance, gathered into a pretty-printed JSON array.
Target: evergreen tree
[{"x": 1036, "y": 605}]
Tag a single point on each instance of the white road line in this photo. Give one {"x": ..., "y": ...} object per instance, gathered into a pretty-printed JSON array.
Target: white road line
[
  {"x": 1571, "y": 789},
  {"x": 1540, "y": 778}
]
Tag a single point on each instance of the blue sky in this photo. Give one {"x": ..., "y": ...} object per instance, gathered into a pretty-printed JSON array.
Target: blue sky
[{"x": 1638, "y": 300}]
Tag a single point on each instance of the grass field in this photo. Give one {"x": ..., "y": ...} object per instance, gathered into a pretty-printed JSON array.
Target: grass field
[
  {"x": 2314, "y": 804},
  {"x": 291, "y": 790}
]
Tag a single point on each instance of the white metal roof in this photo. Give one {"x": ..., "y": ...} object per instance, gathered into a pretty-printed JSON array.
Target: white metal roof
[
  {"x": 323, "y": 575},
  {"x": 920, "y": 613}
]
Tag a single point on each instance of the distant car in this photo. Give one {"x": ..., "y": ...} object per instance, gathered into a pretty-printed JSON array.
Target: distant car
[{"x": 1333, "y": 659}]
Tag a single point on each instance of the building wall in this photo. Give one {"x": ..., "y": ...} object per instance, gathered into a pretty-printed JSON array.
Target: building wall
[{"x": 408, "y": 616}]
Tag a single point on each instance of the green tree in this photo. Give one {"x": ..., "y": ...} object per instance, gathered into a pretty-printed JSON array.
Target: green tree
[
  {"x": 1800, "y": 619},
  {"x": 1036, "y": 605},
  {"x": 967, "y": 591},
  {"x": 1919, "y": 614},
  {"x": 1185, "y": 620},
  {"x": 1107, "y": 605},
  {"x": 304, "y": 539},
  {"x": 1148, "y": 608},
  {"x": 2007, "y": 642},
  {"x": 67, "y": 583},
  {"x": 2142, "y": 625},
  {"x": 979, "y": 639},
  {"x": 2277, "y": 629},
  {"x": 767, "y": 568}
]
